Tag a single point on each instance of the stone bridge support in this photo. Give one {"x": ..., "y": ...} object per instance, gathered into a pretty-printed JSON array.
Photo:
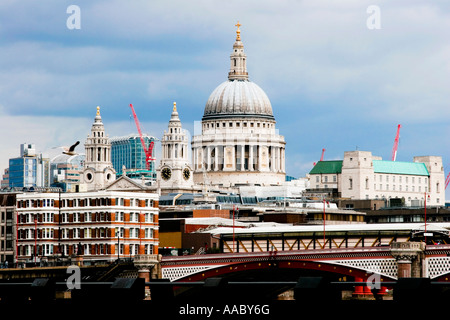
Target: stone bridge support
[
  {"x": 410, "y": 258},
  {"x": 149, "y": 267}
]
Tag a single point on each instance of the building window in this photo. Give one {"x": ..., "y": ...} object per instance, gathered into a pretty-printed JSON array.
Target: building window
[{"x": 350, "y": 182}]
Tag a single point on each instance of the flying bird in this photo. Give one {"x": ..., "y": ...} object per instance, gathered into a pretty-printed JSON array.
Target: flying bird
[{"x": 71, "y": 150}]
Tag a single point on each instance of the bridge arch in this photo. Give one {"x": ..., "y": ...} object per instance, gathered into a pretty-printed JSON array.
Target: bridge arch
[{"x": 297, "y": 268}]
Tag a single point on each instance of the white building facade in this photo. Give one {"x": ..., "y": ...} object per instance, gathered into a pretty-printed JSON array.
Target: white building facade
[{"x": 364, "y": 176}]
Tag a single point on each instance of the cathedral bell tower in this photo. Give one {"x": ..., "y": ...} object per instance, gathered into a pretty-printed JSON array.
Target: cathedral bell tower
[
  {"x": 238, "y": 58},
  {"x": 174, "y": 173},
  {"x": 98, "y": 169}
]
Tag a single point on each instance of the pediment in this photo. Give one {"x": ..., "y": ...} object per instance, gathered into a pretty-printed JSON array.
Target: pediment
[{"x": 125, "y": 184}]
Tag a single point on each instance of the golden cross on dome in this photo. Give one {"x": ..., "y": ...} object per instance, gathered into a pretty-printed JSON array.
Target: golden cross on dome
[
  {"x": 174, "y": 106},
  {"x": 238, "y": 32},
  {"x": 98, "y": 110}
]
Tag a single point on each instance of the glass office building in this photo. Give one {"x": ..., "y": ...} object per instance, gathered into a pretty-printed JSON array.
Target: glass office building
[
  {"x": 29, "y": 170},
  {"x": 127, "y": 153}
]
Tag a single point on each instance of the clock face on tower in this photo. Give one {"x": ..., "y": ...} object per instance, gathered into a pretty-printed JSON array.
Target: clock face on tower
[
  {"x": 166, "y": 173},
  {"x": 186, "y": 174}
]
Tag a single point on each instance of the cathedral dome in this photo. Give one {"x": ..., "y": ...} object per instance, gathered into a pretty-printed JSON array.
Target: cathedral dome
[{"x": 238, "y": 98}]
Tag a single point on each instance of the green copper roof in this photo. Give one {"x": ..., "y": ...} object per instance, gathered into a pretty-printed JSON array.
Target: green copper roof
[
  {"x": 323, "y": 167},
  {"x": 379, "y": 166},
  {"x": 398, "y": 167}
]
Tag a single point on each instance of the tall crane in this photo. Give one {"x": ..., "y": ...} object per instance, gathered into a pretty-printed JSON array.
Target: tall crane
[
  {"x": 321, "y": 158},
  {"x": 148, "y": 151},
  {"x": 323, "y": 151},
  {"x": 447, "y": 180},
  {"x": 394, "y": 149}
]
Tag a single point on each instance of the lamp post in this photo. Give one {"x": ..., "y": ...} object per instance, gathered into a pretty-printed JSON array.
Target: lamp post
[
  {"x": 35, "y": 239},
  {"x": 118, "y": 244}
]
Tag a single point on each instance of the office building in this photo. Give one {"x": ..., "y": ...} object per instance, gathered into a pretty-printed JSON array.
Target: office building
[
  {"x": 128, "y": 156},
  {"x": 30, "y": 169},
  {"x": 364, "y": 176}
]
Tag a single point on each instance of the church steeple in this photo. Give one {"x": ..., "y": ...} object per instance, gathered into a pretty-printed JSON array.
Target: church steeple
[
  {"x": 98, "y": 170},
  {"x": 174, "y": 171},
  {"x": 238, "y": 59}
]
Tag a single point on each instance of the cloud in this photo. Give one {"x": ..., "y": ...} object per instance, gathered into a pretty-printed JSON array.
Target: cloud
[{"x": 45, "y": 132}]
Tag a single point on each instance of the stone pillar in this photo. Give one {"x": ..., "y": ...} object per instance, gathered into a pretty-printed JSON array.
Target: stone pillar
[
  {"x": 149, "y": 267},
  {"x": 410, "y": 257},
  {"x": 242, "y": 157},
  {"x": 272, "y": 153},
  {"x": 208, "y": 158},
  {"x": 216, "y": 158},
  {"x": 250, "y": 157}
]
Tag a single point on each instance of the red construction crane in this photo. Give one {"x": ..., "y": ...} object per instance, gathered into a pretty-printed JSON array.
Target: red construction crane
[
  {"x": 447, "y": 180},
  {"x": 148, "y": 151},
  {"x": 323, "y": 151},
  {"x": 321, "y": 158},
  {"x": 394, "y": 149}
]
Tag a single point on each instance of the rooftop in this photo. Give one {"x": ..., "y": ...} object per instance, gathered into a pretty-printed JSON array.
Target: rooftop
[
  {"x": 326, "y": 167},
  {"x": 399, "y": 167},
  {"x": 379, "y": 166}
]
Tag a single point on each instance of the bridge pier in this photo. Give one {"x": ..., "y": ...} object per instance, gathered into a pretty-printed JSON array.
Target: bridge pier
[
  {"x": 149, "y": 267},
  {"x": 410, "y": 257}
]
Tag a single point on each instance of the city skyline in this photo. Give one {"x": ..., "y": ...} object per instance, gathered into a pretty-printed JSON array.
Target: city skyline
[{"x": 333, "y": 81}]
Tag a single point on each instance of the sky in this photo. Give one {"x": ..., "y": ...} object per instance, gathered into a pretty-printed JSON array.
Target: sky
[{"x": 340, "y": 75}]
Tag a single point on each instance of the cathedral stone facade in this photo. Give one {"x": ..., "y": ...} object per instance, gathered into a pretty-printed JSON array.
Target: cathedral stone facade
[
  {"x": 239, "y": 144},
  {"x": 98, "y": 169},
  {"x": 174, "y": 173}
]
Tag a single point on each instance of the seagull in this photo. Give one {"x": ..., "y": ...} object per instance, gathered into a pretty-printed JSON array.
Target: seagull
[{"x": 71, "y": 151}]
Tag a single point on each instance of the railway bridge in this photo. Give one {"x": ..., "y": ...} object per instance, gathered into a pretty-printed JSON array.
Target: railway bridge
[{"x": 365, "y": 268}]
